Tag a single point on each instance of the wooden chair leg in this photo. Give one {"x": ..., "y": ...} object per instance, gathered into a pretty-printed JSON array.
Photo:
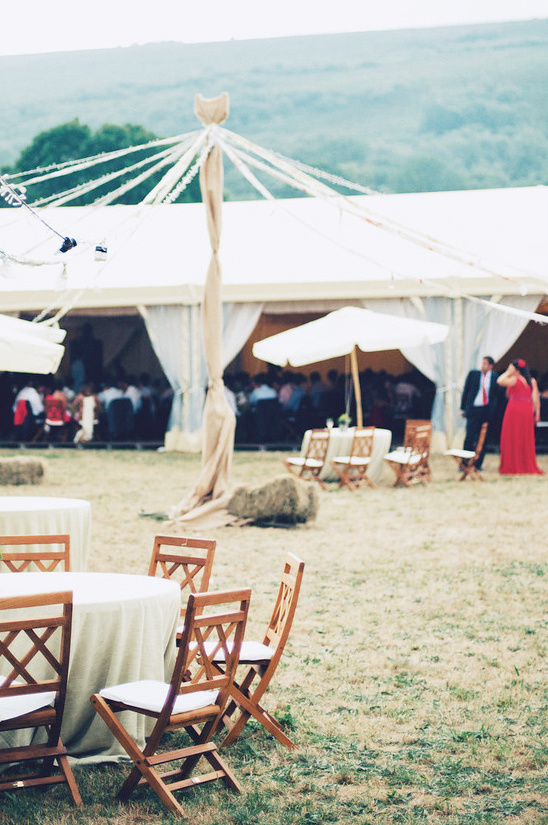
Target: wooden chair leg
[
  {"x": 247, "y": 709},
  {"x": 71, "y": 782}
]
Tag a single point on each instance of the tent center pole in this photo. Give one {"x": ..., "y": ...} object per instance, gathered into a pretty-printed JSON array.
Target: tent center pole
[{"x": 357, "y": 388}]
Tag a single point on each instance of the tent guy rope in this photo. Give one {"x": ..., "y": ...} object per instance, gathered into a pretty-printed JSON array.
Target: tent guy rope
[{"x": 184, "y": 155}]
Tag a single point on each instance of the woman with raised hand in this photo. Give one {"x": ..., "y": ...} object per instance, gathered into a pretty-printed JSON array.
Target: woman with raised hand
[{"x": 517, "y": 436}]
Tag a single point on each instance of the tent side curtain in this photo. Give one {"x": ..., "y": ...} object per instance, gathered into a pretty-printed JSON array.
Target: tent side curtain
[
  {"x": 167, "y": 333},
  {"x": 175, "y": 335},
  {"x": 475, "y": 330},
  {"x": 239, "y": 321}
]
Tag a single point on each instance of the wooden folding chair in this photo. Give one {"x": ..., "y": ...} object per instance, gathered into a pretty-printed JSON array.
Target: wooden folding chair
[
  {"x": 191, "y": 569},
  {"x": 309, "y": 466},
  {"x": 467, "y": 459},
  {"x": 410, "y": 463},
  {"x": 262, "y": 660},
  {"x": 411, "y": 426},
  {"x": 194, "y": 700},
  {"x": 56, "y": 553},
  {"x": 34, "y": 656},
  {"x": 352, "y": 468}
]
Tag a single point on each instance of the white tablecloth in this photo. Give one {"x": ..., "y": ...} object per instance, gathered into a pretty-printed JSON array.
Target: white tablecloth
[
  {"x": 123, "y": 629},
  {"x": 39, "y": 515},
  {"x": 339, "y": 444}
]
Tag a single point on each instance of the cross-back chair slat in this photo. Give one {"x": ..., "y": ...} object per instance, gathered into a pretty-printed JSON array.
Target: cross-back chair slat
[
  {"x": 54, "y": 553},
  {"x": 411, "y": 463},
  {"x": 35, "y": 636},
  {"x": 309, "y": 466},
  {"x": 194, "y": 700},
  {"x": 352, "y": 468},
  {"x": 187, "y": 561},
  {"x": 262, "y": 660},
  {"x": 412, "y": 425}
]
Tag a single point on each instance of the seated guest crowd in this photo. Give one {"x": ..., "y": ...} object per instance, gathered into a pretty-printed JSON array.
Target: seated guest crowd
[
  {"x": 40, "y": 409},
  {"x": 271, "y": 407},
  {"x": 278, "y": 406}
]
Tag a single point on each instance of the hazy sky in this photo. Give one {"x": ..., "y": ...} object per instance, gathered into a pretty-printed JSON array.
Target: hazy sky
[{"x": 31, "y": 26}]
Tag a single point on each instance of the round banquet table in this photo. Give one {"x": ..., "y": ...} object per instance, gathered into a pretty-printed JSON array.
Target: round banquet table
[
  {"x": 44, "y": 515},
  {"x": 339, "y": 444},
  {"x": 123, "y": 630}
]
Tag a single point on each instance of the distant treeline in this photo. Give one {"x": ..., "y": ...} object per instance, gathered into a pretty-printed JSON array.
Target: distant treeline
[{"x": 417, "y": 110}]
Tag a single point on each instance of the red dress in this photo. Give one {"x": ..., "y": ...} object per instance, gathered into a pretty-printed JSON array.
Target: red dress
[{"x": 517, "y": 436}]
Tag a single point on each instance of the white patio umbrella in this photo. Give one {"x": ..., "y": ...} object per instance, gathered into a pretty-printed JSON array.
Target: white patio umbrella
[
  {"x": 340, "y": 333},
  {"x": 29, "y": 347}
]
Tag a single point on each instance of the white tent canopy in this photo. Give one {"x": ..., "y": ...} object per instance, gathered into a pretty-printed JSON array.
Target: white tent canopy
[
  {"x": 295, "y": 255},
  {"x": 29, "y": 347},
  {"x": 288, "y": 250}
]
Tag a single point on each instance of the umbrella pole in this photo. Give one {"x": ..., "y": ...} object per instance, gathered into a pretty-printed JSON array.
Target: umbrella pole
[{"x": 357, "y": 388}]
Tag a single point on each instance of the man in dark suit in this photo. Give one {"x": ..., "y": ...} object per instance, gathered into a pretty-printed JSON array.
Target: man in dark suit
[{"x": 479, "y": 402}]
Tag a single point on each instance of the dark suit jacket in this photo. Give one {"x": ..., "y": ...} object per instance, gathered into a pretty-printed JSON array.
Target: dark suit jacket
[{"x": 471, "y": 387}]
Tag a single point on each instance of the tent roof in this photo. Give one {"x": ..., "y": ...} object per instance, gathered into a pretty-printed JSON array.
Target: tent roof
[{"x": 289, "y": 250}]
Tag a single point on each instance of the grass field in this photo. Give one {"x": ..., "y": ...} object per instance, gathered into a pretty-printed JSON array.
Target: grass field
[{"x": 415, "y": 679}]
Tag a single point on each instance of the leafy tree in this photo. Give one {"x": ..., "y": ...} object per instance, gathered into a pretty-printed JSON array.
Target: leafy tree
[{"x": 72, "y": 141}]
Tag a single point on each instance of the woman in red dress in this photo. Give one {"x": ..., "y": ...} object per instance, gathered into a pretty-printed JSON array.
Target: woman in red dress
[{"x": 517, "y": 436}]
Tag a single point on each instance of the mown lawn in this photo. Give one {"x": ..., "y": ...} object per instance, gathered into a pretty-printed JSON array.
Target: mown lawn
[{"x": 415, "y": 680}]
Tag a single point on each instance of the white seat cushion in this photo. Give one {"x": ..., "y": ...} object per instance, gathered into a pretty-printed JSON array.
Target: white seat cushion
[
  {"x": 151, "y": 695},
  {"x": 461, "y": 453},
  {"x": 13, "y": 706},
  {"x": 249, "y": 652},
  {"x": 310, "y": 462},
  {"x": 353, "y": 460},
  {"x": 403, "y": 457}
]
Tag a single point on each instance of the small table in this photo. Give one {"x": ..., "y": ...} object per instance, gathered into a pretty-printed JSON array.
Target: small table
[
  {"x": 123, "y": 630},
  {"x": 43, "y": 515},
  {"x": 339, "y": 444}
]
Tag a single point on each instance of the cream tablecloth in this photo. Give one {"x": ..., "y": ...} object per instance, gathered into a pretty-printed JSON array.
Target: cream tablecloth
[
  {"x": 339, "y": 444},
  {"x": 123, "y": 629},
  {"x": 39, "y": 515}
]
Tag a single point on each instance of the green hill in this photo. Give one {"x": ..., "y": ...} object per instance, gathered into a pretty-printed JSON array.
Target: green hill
[{"x": 447, "y": 108}]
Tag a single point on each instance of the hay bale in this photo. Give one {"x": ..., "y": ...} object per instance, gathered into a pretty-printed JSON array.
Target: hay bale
[
  {"x": 284, "y": 500},
  {"x": 22, "y": 471}
]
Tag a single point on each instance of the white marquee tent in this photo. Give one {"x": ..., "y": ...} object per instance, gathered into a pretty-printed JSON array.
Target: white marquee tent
[{"x": 295, "y": 255}]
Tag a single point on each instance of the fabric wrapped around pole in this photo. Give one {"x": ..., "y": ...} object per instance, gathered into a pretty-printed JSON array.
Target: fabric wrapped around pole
[{"x": 219, "y": 421}]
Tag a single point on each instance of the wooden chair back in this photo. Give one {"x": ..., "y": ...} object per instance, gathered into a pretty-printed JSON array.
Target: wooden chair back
[
  {"x": 245, "y": 696},
  {"x": 210, "y": 633},
  {"x": 193, "y": 700},
  {"x": 56, "y": 553},
  {"x": 318, "y": 444},
  {"x": 410, "y": 464},
  {"x": 424, "y": 425},
  {"x": 35, "y": 636},
  {"x": 352, "y": 468},
  {"x": 362, "y": 442},
  {"x": 411, "y": 425},
  {"x": 277, "y": 632},
  {"x": 185, "y": 560},
  {"x": 466, "y": 461},
  {"x": 481, "y": 441},
  {"x": 309, "y": 466}
]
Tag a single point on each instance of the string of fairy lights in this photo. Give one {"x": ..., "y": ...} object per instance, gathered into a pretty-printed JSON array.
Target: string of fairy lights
[{"x": 177, "y": 160}]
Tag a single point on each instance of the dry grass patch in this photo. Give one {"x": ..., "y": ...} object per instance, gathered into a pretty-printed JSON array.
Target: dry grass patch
[{"x": 415, "y": 679}]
